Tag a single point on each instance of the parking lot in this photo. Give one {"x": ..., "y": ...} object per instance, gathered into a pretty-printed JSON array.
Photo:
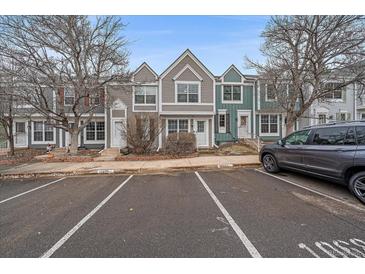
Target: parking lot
[{"x": 224, "y": 213}]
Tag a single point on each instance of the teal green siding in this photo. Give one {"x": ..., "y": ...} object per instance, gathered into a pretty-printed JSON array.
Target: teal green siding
[
  {"x": 269, "y": 138},
  {"x": 232, "y": 76},
  {"x": 232, "y": 110}
]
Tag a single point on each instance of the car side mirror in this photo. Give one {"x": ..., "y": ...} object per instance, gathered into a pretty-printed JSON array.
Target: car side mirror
[{"x": 281, "y": 142}]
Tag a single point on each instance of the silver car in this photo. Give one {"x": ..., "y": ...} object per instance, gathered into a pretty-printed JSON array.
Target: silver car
[{"x": 333, "y": 151}]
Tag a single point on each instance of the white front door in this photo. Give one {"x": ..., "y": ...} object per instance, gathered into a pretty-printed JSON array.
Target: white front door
[
  {"x": 244, "y": 123},
  {"x": 20, "y": 137},
  {"x": 118, "y": 138},
  {"x": 201, "y": 133}
]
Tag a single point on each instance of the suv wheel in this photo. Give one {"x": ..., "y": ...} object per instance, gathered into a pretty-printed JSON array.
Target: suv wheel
[
  {"x": 357, "y": 186},
  {"x": 269, "y": 163}
]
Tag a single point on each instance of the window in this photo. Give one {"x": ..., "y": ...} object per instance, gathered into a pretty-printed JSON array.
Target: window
[
  {"x": 177, "y": 126},
  {"x": 187, "y": 93},
  {"x": 335, "y": 94},
  {"x": 330, "y": 136},
  {"x": 322, "y": 118},
  {"x": 145, "y": 95},
  {"x": 232, "y": 93},
  {"x": 297, "y": 138},
  {"x": 43, "y": 132},
  {"x": 20, "y": 127},
  {"x": 362, "y": 116},
  {"x": 95, "y": 99},
  {"x": 269, "y": 124},
  {"x": 222, "y": 121},
  {"x": 360, "y": 135},
  {"x": 200, "y": 126},
  {"x": 69, "y": 97},
  {"x": 270, "y": 93},
  {"x": 342, "y": 116},
  {"x": 95, "y": 131}
]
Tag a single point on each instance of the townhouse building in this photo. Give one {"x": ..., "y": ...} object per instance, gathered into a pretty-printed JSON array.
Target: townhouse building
[{"x": 186, "y": 97}]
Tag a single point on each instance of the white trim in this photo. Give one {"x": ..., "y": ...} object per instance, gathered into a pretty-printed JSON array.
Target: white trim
[
  {"x": 180, "y": 118},
  {"x": 187, "y": 83},
  {"x": 186, "y": 112},
  {"x": 189, "y": 104},
  {"x": 144, "y": 64},
  {"x": 254, "y": 110},
  {"x": 245, "y": 113},
  {"x": 64, "y": 97},
  {"x": 182, "y": 56},
  {"x": 105, "y": 116},
  {"x": 231, "y": 101},
  {"x": 187, "y": 66},
  {"x": 278, "y": 125},
  {"x": 258, "y": 96},
  {"x": 144, "y": 105},
  {"x": 44, "y": 135},
  {"x": 224, "y": 128},
  {"x": 112, "y": 126},
  {"x": 54, "y": 100},
  {"x": 269, "y": 100},
  {"x": 96, "y": 142}
]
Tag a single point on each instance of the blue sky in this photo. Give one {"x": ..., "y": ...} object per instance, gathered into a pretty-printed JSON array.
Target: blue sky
[{"x": 218, "y": 41}]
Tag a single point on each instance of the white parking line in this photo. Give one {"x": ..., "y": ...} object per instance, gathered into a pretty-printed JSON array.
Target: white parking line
[
  {"x": 54, "y": 248},
  {"x": 246, "y": 242},
  {"x": 311, "y": 190},
  {"x": 31, "y": 190}
]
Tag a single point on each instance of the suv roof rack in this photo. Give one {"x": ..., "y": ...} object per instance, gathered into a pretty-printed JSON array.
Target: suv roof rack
[{"x": 336, "y": 123}]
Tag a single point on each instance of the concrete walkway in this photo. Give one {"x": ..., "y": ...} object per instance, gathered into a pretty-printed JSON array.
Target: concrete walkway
[{"x": 118, "y": 167}]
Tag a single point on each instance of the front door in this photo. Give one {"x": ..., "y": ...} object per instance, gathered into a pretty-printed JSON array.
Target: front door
[
  {"x": 118, "y": 134},
  {"x": 20, "y": 134},
  {"x": 201, "y": 133},
  {"x": 243, "y": 126}
]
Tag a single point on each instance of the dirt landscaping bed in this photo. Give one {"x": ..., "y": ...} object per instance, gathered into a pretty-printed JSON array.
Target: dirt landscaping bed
[
  {"x": 153, "y": 157},
  {"x": 21, "y": 156}
]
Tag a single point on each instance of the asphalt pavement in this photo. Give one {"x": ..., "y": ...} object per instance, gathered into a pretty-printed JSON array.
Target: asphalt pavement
[{"x": 227, "y": 213}]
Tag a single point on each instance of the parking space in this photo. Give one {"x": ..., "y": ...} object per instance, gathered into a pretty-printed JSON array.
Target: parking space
[{"x": 227, "y": 213}]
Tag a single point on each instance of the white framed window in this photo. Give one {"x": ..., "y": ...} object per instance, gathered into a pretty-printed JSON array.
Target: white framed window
[
  {"x": 363, "y": 116},
  {"x": 335, "y": 95},
  {"x": 187, "y": 92},
  {"x": 95, "y": 132},
  {"x": 42, "y": 133},
  {"x": 232, "y": 94},
  {"x": 322, "y": 119},
  {"x": 145, "y": 95},
  {"x": 222, "y": 121},
  {"x": 95, "y": 99},
  {"x": 69, "y": 97},
  {"x": 270, "y": 94},
  {"x": 177, "y": 125},
  {"x": 269, "y": 124}
]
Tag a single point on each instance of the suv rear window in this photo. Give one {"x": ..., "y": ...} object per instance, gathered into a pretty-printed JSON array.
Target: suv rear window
[
  {"x": 360, "y": 135},
  {"x": 330, "y": 136}
]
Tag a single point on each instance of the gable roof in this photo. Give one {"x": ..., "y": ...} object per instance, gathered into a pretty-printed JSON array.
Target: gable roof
[
  {"x": 187, "y": 52},
  {"x": 145, "y": 65},
  {"x": 234, "y": 68}
]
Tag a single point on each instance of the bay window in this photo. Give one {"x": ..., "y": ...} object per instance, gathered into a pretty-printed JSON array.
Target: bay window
[{"x": 187, "y": 92}]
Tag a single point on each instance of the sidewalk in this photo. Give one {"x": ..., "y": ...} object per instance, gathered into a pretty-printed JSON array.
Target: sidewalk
[{"x": 124, "y": 167}]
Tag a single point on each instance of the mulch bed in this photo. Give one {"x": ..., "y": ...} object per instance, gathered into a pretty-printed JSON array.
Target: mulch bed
[{"x": 21, "y": 156}]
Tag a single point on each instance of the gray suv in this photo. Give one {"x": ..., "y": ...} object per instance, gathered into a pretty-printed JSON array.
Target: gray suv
[{"x": 333, "y": 151}]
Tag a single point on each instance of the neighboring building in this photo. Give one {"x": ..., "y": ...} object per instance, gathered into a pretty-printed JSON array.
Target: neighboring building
[{"x": 186, "y": 97}]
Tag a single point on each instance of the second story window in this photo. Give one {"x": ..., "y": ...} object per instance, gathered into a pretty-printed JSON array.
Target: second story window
[
  {"x": 69, "y": 97},
  {"x": 145, "y": 95},
  {"x": 232, "y": 93},
  {"x": 187, "y": 92},
  {"x": 333, "y": 95},
  {"x": 270, "y": 94}
]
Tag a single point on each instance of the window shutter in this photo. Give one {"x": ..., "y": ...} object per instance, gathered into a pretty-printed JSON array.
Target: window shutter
[
  {"x": 228, "y": 123},
  {"x": 87, "y": 100},
  {"x": 216, "y": 123},
  {"x": 102, "y": 97},
  {"x": 61, "y": 94}
]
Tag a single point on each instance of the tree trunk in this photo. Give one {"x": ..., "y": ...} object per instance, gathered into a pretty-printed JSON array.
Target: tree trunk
[
  {"x": 74, "y": 141},
  {"x": 11, "y": 138},
  {"x": 290, "y": 120}
]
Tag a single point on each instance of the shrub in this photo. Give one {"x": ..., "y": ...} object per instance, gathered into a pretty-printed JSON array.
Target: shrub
[{"x": 180, "y": 143}]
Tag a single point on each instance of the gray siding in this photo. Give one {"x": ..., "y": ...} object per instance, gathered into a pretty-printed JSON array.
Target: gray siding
[{"x": 144, "y": 75}]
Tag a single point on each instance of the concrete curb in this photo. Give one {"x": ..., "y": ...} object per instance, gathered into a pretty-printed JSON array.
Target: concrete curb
[{"x": 125, "y": 171}]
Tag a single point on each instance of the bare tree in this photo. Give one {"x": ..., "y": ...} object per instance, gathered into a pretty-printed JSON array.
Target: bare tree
[
  {"x": 141, "y": 131},
  {"x": 65, "y": 54},
  {"x": 307, "y": 53}
]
